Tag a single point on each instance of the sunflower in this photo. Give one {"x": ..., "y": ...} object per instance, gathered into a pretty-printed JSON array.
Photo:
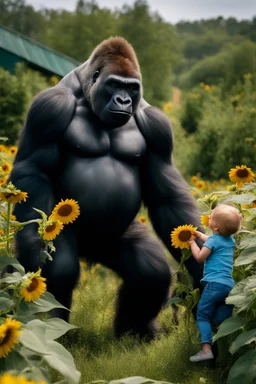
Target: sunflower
[
  {"x": 194, "y": 179},
  {"x": 8, "y": 378},
  {"x": 52, "y": 229},
  {"x": 13, "y": 150},
  {"x": 3, "y": 180},
  {"x": 3, "y": 148},
  {"x": 9, "y": 333},
  {"x": 200, "y": 184},
  {"x": 241, "y": 174},
  {"x": 66, "y": 211},
  {"x": 205, "y": 220},
  {"x": 34, "y": 286},
  {"x": 6, "y": 167},
  {"x": 142, "y": 219},
  {"x": 12, "y": 194},
  {"x": 181, "y": 235}
]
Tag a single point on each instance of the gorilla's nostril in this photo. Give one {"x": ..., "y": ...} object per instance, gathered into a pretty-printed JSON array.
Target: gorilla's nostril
[{"x": 123, "y": 101}]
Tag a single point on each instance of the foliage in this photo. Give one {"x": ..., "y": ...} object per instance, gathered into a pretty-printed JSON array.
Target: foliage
[
  {"x": 99, "y": 356},
  {"x": 239, "y": 331},
  {"x": 28, "y": 345},
  {"x": 228, "y": 66},
  {"x": 16, "y": 92},
  {"x": 13, "y": 100},
  {"x": 221, "y": 124},
  {"x": 241, "y": 327}
]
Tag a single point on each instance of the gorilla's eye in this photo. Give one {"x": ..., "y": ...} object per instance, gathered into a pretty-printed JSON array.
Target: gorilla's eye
[
  {"x": 114, "y": 85},
  {"x": 95, "y": 76},
  {"x": 133, "y": 87}
]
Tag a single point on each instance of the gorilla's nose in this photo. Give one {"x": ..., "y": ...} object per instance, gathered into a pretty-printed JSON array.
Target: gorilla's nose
[{"x": 122, "y": 101}]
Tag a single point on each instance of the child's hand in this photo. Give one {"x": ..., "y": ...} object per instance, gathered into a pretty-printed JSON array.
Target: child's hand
[{"x": 197, "y": 234}]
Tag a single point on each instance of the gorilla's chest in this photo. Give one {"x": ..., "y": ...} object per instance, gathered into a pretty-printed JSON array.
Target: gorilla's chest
[{"x": 87, "y": 136}]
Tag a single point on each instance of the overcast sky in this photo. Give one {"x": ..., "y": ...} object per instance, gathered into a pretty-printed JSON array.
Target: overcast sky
[{"x": 171, "y": 10}]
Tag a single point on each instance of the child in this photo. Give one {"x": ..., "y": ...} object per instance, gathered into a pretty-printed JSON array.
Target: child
[{"x": 218, "y": 254}]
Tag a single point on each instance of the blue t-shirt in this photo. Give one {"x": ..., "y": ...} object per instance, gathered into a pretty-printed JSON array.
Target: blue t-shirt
[{"x": 218, "y": 267}]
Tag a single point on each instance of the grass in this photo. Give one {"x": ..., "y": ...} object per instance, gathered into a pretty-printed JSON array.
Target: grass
[{"x": 99, "y": 356}]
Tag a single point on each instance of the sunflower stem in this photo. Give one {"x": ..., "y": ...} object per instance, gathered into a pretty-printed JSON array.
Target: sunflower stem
[{"x": 8, "y": 228}]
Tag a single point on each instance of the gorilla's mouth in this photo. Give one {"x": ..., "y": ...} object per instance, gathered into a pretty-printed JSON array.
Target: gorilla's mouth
[{"x": 119, "y": 112}]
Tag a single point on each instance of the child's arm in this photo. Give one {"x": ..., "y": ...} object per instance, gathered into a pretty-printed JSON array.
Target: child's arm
[
  {"x": 199, "y": 254},
  {"x": 201, "y": 236}
]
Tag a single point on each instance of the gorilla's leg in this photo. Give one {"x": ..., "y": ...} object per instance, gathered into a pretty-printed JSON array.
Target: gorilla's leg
[
  {"x": 146, "y": 274},
  {"x": 62, "y": 272}
]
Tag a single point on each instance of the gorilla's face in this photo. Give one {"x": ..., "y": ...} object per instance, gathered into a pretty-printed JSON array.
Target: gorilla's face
[{"x": 114, "y": 98}]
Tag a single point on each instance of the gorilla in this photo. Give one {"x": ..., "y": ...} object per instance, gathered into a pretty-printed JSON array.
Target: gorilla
[{"x": 93, "y": 138}]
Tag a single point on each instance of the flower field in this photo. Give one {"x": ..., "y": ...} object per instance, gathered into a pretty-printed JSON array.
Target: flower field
[{"x": 35, "y": 349}]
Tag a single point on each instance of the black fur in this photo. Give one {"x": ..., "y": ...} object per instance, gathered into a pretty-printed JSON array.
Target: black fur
[{"x": 93, "y": 138}]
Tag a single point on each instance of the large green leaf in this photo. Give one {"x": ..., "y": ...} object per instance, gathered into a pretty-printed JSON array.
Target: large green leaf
[
  {"x": 33, "y": 341},
  {"x": 244, "y": 369},
  {"x": 51, "y": 328},
  {"x": 5, "y": 301},
  {"x": 242, "y": 301},
  {"x": 14, "y": 361},
  {"x": 249, "y": 240},
  {"x": 6, "y": 260},
  {"x": 228, "y": 326},
  {"x": 57, "y": 327},
  {"x": 246, "y": 198},
  {"x": 10, "y": 278},
  {"x": 61, "y": 360},
  {"x": 137, "y": 380},
  {"x": 243, "y": 339},
  {"x": 45, "y": 303},
  {"x": 247, "y": 256}
]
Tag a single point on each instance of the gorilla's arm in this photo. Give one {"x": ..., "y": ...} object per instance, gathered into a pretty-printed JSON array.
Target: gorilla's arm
[
  {"x": 37, "y": 161},
  {"x": 165, "y": 192}
]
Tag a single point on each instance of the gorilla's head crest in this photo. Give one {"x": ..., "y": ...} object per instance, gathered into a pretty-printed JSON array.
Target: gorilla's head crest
[{"x": 118, "y": 55}]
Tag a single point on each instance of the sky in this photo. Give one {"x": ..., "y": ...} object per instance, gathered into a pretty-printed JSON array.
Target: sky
[{"x": 171, "y": 11}]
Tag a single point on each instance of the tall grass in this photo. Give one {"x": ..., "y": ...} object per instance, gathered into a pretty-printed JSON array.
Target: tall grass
[{"x": 99, "y": 356}]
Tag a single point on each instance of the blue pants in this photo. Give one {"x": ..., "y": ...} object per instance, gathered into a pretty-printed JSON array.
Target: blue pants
[{"x": 212, "y": 309}]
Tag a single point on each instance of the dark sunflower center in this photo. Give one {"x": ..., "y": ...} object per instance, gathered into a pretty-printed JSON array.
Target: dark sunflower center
[
  {"x": 5, "y": 167},
  {"x": 8, "y": 195},
  {"x": 6, "y": 338},
  {"x": 242, "y": 173},
  {"x": 184, "y": 235},
  {"x": 65, "y": 210},
  {"x": 33, "y": 285},
  {"x": 50, "y": 228}
]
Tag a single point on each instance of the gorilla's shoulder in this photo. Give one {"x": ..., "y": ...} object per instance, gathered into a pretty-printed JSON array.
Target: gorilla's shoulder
[
  {"x": 156, "y": 128},
  {"x": 51, "y": 112}
]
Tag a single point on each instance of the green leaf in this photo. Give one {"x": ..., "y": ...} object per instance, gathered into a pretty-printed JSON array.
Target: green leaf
[
  {"x": 246, "y": 198},
  {"x": 57, "y": 327},
  {"x": 34, "y": 342},
  {"x": 244, "y": 369},
  {"x": 174, "y": 300},
  {"x": 247, "y": 256},
  {"x": 249, "y": 240},
  {"x": 136, "y": 380},
  {"x": 243, "y": 339},
  {"x": 61, "y": 360},
  {"x": 228, "y": 326},
  {"x": 45, "y": 303},
  {"x": 51, "y": 328},
  {"x": 6, "y": 260},
  {"x": 10, "y": 278},
  {"x": 15, "y": 361},
  {"x": 5, "y": 301}
]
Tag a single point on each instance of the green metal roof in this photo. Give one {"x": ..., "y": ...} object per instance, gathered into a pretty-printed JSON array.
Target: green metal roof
[{"x": 36, "y": 53}]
